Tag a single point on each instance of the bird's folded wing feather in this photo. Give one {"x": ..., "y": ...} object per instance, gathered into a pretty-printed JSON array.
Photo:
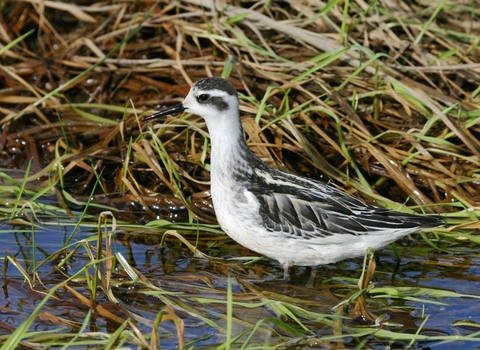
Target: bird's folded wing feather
[{"x": 320, "y": 211}]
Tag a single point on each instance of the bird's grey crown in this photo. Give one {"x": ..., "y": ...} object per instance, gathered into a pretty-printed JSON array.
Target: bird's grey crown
[
  {"x": 205, "y": 93},
  {"x": 206, "y": 84}
]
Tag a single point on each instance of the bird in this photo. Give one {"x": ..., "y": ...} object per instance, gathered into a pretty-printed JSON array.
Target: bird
[{"x": 289, "y": 218}]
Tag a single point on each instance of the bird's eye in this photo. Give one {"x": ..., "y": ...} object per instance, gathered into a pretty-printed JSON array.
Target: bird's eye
[{"x": 203, "y": 97}]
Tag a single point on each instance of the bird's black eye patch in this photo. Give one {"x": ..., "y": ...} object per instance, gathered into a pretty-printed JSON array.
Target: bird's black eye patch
[{"x": 203, "y": 97}]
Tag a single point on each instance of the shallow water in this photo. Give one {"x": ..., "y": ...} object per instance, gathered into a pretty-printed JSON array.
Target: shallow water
[{"x": 203, "y": 284}]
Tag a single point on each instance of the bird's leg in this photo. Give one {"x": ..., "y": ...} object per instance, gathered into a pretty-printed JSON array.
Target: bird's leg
[
  {"x": 286, "y": 275},
  {"x": 311, "y": 279}
]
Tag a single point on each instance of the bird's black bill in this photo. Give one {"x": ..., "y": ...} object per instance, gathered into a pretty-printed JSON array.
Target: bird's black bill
[{"x": 172, "y": 110}]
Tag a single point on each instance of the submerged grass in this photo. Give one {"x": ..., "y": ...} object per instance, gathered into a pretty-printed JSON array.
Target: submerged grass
[{"x": 380, "y": 99}]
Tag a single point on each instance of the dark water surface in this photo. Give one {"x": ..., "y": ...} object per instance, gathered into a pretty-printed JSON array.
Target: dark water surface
[{"x": 174, "y": 269}]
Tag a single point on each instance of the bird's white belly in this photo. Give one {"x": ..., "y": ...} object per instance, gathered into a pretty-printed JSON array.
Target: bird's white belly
[{"x": 237, "y": 214}]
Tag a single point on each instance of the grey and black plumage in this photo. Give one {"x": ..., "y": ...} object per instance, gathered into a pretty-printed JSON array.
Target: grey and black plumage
[{"x": 292, "y": 219}]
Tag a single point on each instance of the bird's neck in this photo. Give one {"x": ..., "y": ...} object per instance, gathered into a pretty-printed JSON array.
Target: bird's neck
[{"x": 229, "y": 150}]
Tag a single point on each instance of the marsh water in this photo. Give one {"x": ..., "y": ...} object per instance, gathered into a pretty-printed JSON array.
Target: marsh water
[{"x": 202, "y": 283}]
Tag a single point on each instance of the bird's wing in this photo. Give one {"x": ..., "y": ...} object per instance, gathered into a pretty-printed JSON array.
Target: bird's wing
[{"x": 303, "y": 208}]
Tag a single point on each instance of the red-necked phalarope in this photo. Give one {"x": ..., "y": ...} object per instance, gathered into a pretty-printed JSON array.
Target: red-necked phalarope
[{"x": 294, "y": 220}]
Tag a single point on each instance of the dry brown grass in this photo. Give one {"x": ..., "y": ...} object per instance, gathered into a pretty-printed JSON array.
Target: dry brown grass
[{"x": 398, "y": 124}]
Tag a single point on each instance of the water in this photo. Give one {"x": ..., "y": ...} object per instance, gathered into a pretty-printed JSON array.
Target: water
[{"x": 203, "y": 284}]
